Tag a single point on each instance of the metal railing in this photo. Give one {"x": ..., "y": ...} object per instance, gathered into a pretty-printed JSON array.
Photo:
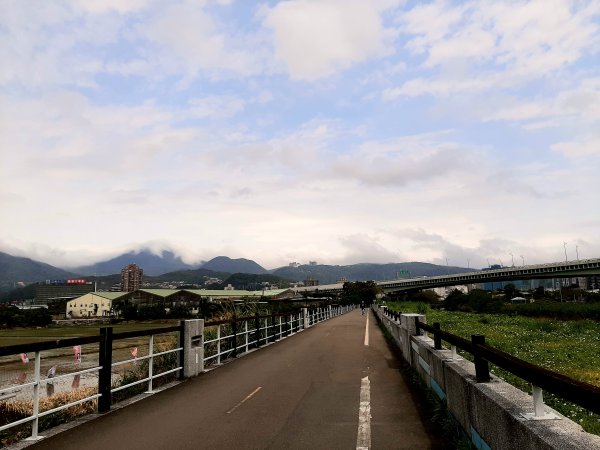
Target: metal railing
[
  {"x": 578, "y": 392},
  {"x": 221, "y": 340},
  {"x": 226, "y": 339},
  {"x": 104, "y": 370}
]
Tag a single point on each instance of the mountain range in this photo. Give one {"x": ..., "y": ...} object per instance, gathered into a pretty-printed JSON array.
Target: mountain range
[{"x": 168, "y": 266}]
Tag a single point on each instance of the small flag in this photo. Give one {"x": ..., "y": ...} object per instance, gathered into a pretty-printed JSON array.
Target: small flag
[
  {"x": 77, "y": 353},
  {"x": 24, "y": 358},
  {"x": 134, "y": 352}
]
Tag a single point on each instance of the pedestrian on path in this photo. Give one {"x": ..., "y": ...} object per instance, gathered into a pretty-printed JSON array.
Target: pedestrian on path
[{"x": 362, "y": 307}]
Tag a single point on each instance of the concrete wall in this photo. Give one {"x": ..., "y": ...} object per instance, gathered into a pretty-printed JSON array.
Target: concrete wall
[{"x": 491, "y": 413}]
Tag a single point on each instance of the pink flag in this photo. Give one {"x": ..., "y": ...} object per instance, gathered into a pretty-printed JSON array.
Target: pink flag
[
  {"x": 134, "y": 352},
  {"x": 24, "y": 358},
  {"x": 77, "y": 353}
]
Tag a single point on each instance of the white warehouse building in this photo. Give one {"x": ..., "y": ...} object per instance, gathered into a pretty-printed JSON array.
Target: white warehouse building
[{"x": 93, "y": 304}]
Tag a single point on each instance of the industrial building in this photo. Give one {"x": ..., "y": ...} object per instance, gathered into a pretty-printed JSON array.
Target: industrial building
[{"x": 93, "y": 304}]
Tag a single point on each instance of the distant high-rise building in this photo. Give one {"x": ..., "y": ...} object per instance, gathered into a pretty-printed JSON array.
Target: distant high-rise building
[
  {"x": 131, "y": 278},
  {"x": 310, "y": 281}
]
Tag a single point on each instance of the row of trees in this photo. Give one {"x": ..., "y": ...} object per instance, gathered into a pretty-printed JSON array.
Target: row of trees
[{"x": 11, "y": 316}]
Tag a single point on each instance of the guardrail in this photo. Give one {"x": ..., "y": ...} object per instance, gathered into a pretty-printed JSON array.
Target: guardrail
[{"x": 577, "y": 392}]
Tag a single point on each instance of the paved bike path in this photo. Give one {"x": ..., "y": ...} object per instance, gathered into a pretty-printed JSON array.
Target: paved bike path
[{"x": 303, "y": 392}]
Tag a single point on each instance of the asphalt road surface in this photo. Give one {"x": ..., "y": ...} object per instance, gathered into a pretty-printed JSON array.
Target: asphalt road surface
[{"x": 333, "y": 386}]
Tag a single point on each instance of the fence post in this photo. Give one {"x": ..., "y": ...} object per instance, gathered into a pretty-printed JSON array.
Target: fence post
[
  {"x": 538, "y": 401},
  {"x": 257, "y": 330},
  {"x": 437, "y": 339},
  {"x": 193, "y": 360},
  {"x": 36, "y": 397},
  {"x": 181, "y": 352},
  {"x": 104, "y": 375},
  {"x": 305, "y": 317},
  {"x": 234, "y": 332},
  {"x": 151, "y": 363},
  {"x": 218, "y": 344},
  {"x": 482, "y": 369},
  {"x": 287, "y": 330}
]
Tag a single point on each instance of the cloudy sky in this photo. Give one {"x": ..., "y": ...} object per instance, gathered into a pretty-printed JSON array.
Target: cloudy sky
[{"x": 339, "y": 131}]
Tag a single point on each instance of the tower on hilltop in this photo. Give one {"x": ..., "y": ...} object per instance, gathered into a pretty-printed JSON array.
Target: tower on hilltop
[{"x": 131, "y": 278}]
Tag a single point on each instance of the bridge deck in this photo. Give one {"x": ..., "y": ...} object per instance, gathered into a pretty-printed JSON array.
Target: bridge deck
[{"x": 304, "y": 392}]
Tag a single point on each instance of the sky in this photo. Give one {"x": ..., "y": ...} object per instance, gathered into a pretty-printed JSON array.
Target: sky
[{"x": 337, "y": 131}]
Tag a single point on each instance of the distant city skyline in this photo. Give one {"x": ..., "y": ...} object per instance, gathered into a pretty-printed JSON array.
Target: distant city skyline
[{"x": 336, "y": 131}]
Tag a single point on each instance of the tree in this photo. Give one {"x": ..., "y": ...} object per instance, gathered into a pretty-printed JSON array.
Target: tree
[
  {"x": 482, "y": 301},
  {"x": 455, "y": 300},
  {"x": 427, "y": 296},
  {"x": 359, "y": 291},
  {"x": 510, "y": 291}
]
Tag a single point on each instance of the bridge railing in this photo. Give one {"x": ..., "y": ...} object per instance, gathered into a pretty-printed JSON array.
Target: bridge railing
[{"x": 580, "y": 393}]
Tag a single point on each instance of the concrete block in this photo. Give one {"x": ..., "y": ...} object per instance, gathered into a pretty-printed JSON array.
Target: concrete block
[{"x": 193, "y": 347}]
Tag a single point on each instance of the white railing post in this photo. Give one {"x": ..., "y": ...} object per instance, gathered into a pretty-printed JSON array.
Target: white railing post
[
  {"x": 150, "y": 363},
  {"x": 305, "y": 317},
  {"x": 454, "y": 356},
  {"x": 280, "y": 331},
  {"x": 36, "y": 396},
  {"x": 218, "y": 344},
  {"x": 246, "y": 333},
  {"x": 538, "y": 401}
]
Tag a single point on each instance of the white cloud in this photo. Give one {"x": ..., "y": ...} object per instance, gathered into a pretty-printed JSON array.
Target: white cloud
[
  {"x": 579, "y": 149},
  {"x": 315, "y": 39},
  {"x": 480, "y": 46}
]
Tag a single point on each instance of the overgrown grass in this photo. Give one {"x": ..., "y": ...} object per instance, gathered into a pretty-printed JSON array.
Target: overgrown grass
[
  {"x": 14, "y": 410},
  {"x": 11, "y": 411},
  {"x": 568, "y": 347}
]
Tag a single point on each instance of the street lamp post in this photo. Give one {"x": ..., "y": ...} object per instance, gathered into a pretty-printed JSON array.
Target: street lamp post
[
  {"x": 512, "y": 259},
  {"x": 565, "y": 245},
  {"x": 523, "y": 258}
]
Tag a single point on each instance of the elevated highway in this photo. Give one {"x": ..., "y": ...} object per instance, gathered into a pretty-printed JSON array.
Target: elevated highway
[{"x": 566, "y": 269}]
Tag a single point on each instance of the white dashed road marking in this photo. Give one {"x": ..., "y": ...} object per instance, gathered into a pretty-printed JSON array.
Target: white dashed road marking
[
  {"x": 247, "y": 398},
  {"x": 363, "y": 440}
]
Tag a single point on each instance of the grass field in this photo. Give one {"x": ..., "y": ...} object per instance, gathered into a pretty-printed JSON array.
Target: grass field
[
  {"x": 568, "y": 347},
  {"x": 26, "y": 335}
]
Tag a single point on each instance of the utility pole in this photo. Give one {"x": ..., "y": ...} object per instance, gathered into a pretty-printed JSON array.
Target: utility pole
[
  {"x": 523, "y": 258},
  {"x": 577, "y": 251}
]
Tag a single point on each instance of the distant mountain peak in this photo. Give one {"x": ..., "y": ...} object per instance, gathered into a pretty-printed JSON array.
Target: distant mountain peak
[
  {"x": 152, "y": 263},
  {"x": 239, "y": 265}
]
